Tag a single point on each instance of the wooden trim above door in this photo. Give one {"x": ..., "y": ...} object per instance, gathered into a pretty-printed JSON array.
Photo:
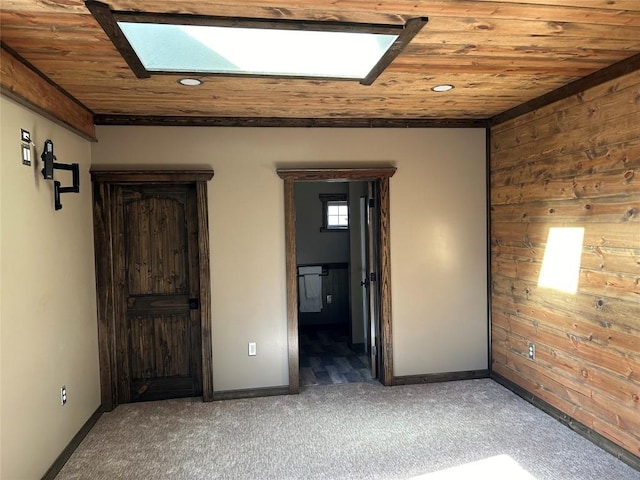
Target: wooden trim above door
[
  {"x": 151, "y": 176},
  {"x": 290, "y": 176},
  {"x": 103, "y": 183},
  {"x": 335, "y": 174}
]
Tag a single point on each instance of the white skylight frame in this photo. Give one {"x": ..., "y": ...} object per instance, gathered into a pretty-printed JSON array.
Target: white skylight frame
[{"x": 132, "y": 33}]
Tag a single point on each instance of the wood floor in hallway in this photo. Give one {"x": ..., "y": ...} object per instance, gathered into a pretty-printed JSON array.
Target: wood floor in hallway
[{"x": 327, "y": 358}]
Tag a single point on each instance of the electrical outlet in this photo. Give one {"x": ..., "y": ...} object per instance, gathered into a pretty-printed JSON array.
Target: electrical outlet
[
  {"x": 532, "y": 351},
  {"x": 63, "y": 395},
  {"x": 252, "y": 349},
  {"x": 329, "y": 298}
]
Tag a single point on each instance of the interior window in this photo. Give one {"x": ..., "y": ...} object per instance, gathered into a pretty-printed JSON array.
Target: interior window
[{"x": 335, "y": 212}]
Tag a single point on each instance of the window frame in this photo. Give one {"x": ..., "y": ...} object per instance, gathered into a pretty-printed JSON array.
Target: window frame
[{"x": 326, "y": 199}]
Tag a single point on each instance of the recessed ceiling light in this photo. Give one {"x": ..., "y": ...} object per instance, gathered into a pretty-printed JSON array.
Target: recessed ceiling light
[
  {"x": 442, "y": 88},
  {"x": 190, "y": 82}
]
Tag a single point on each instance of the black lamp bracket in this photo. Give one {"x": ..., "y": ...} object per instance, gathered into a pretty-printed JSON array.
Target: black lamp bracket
[{"x": 50, "y": 164}]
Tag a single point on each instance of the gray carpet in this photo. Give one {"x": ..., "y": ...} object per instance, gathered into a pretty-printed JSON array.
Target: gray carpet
[{"x": 470, "y": 429}]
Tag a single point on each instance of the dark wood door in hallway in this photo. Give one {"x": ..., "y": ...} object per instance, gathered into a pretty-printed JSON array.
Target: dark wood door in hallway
[
  {"x": 159, "y": 333},
  {"x": 153, "y": 287}
]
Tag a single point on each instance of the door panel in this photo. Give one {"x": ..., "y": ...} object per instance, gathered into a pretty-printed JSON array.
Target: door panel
[
  {"x": 161, "y": 356},
  {"x": 159, "y": 346},
  {"x": 364, "y": 273},
  {"x": 156, "y": 246},
  {"x": 372, "y": 278}
]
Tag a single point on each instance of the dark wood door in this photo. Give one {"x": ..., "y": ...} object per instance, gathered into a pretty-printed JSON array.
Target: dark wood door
[{"x": 158, "y": 333}]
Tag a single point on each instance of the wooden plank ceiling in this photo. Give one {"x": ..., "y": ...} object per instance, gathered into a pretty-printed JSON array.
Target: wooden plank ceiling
[{"x": 498, "y": 53}]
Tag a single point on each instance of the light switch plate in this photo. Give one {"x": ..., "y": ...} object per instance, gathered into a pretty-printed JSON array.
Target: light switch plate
[
  {"x": 252, "y": 349},
  {"x": 25, "y": 147},
  {"x": 26, "y": 154}
]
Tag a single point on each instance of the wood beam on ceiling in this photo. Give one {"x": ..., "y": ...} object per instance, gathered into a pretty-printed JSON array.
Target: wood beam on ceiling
[{"x": 22, "y": 82}]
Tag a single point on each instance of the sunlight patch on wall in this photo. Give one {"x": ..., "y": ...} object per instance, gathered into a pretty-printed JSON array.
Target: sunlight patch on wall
[
  {"x": 561, "y": 264},
  {"x": 500, "y": 467}
]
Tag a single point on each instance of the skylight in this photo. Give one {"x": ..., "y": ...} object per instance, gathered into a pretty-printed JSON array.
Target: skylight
[
  {"x": 155, "y": 44},
  {"x": 253, "y": 51}
]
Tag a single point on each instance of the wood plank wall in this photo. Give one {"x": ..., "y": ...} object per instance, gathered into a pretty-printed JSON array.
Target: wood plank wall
[{"x": 574, "y": 163}]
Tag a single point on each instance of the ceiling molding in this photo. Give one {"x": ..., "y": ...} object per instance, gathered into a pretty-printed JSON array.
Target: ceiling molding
[
  {"x": 607, "y": 74},
  {"x": 188, "y": 121}
]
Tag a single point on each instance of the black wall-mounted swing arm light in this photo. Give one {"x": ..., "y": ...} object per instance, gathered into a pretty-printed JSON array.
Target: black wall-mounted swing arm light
[{"x": 50, "y": 164}]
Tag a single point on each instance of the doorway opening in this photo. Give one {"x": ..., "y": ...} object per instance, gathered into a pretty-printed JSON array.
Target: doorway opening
[
  {"x": 338, "y": 279},
  {"x": 337, "y": 302}
]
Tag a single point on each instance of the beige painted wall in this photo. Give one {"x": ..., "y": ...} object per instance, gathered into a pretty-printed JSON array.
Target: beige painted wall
[
  {"x": 48, "y": 308},
  {"x": 438, "y": 240}
]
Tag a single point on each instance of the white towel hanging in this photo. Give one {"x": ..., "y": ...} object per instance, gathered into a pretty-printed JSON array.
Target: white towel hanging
[{"x": 310, "y": 288}]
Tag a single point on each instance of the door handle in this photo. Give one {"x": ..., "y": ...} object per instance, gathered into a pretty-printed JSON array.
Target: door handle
[{"x": 194, "y": 304}]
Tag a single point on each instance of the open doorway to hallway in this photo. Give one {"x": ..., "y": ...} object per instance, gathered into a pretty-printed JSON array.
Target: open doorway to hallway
[
  {"x": 337, "y": 301},
  {"x": 377, "y": 179}
]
